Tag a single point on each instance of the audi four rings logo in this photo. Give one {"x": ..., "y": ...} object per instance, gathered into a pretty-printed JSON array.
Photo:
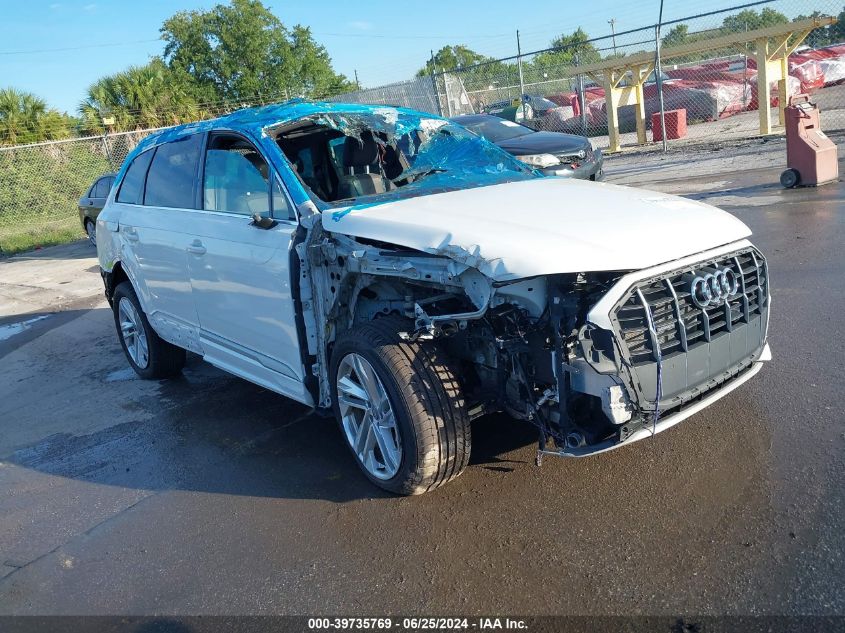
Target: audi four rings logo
[{"x": 715, "y": 288}]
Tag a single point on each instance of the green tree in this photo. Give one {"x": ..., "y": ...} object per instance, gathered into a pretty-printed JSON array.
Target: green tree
[
  {"x": 451, "y": 58},
  {"x": 678, "y": 34},
  {"x": 240, "y": 50},
  {"x": 25, "y": 118},
  {"x": 565, "y": 49},
  {"x": 139, "y": 97},
  {"x": 837, "y": 31},
  {"x": 751, "y": 20},
  {"x": 826, "y": 35}
]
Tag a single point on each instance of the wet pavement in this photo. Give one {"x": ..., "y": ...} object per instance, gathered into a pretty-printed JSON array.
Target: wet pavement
[{"x": 207, "y": 494}]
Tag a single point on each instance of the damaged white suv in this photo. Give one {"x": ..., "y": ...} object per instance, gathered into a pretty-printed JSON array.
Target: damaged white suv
[{"x": 411, "y": 276}]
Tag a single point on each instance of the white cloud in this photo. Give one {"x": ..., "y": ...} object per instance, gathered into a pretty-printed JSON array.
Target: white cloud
[{"x": 360, "y": 25}]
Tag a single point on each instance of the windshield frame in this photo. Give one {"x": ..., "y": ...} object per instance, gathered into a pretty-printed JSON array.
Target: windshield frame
[{"x": 440, "y": 175}]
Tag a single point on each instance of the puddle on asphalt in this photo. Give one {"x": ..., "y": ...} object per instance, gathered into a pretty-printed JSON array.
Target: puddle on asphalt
[
  {"x": 121, "y": 375},
  {"x": 13, "y": 329}
]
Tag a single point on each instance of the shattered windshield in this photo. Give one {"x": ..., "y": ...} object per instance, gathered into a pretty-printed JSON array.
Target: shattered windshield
[
  {"x": 496, "y": 130},
  {"x": 352, "y": 158}
]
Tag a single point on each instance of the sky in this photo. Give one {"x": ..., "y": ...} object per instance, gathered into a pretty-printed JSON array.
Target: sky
[{"x": 384, "y": 41}]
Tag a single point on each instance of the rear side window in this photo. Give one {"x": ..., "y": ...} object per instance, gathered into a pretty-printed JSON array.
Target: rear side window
[
  {"x": 132, "y": 186},
  {"x": 170, "y": 182},
  {"x": 101, "y": 189}
]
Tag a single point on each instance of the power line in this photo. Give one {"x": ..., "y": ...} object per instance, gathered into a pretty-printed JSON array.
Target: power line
[
  {"x": 412, "y": 37},
  {"x": 77, "y": 48}
]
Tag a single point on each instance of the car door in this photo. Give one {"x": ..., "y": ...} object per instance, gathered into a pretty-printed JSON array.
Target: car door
[
  {"x": 240, "y": 273},
  {"x": 156, "y": 223},
  {"x": 100, "y": 192}
]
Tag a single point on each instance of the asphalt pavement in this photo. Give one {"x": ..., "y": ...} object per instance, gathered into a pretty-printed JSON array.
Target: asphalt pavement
[{"x": 208, "y": 495}]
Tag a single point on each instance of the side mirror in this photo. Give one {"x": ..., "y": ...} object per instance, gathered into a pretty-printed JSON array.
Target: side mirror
[{"x": 262, "y": 222}]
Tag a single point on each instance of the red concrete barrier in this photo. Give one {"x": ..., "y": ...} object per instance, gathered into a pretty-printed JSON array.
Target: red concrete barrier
[{"x": 676, "y": 124}]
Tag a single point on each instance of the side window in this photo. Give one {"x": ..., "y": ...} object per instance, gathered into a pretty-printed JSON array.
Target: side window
[
  {"x": 236, "y": 178},
  {"x": 281, "y": 208},
  {"x": 132, "y": 187},
  {"x": 101, "y": 189},
  {"x": 170, "y": 182}
]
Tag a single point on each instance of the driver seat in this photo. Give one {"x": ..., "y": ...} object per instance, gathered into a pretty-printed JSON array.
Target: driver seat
[{"x": 362, "y": 166}]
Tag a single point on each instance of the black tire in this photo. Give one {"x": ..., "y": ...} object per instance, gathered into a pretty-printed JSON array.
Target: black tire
[
  {"x": 165, "y": 360},
  {"x": 426, "y": 399},
  {"x": 91, "y": 231},
  {"x": 790, "y": 178}
]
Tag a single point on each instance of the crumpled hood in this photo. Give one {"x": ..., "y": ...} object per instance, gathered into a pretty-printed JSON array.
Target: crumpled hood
[{"x": 545, "y": 226}]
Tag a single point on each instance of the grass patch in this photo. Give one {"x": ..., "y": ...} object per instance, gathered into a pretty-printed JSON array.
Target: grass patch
[
  {"x": 40, "y": 188},
  {"x": 20, "y": 239}
]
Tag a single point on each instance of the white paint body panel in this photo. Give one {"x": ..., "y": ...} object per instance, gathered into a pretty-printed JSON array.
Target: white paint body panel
[
  {"x": 242, "y": 291},
  {"x": 545, "y": 226}
]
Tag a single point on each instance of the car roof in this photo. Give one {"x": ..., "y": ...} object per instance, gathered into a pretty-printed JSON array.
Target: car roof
[{"x": 256, "y": 120}]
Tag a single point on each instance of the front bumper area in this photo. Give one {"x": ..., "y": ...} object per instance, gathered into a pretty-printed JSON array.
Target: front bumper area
[
  {"x": 591, "y": 169},
  {"x": 647, "y": 347},
  {"x": 673, "y": 418}
]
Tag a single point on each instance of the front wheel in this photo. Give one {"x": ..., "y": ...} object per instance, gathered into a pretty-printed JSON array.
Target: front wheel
[
  {"x": 790, "y": 178},
  {"x": 400, "y": 408},
  {"x": 149, "y": 355}
]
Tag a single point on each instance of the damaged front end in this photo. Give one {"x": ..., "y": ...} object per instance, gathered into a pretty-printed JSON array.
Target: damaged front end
[
  {"x": 521, "y": 347},
  {"x": 548, "y": 350},
  {"x": 593, "y": 359}
]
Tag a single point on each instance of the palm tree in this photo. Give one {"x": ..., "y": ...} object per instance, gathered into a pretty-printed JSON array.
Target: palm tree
[
  {"x": 137, "y": 98},
  {"x": 25, "y": 118}
]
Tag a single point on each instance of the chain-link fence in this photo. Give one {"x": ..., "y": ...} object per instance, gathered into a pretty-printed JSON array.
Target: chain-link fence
[
  {"x": 709, "y": 78},
  {"x": 41, "y": 184},
  {"x": 708, "y": 85}
]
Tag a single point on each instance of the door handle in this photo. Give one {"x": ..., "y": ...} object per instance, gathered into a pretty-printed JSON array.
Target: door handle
[
  {"x": 196, "y": 248},
  {"x": 130, "y": 233}
]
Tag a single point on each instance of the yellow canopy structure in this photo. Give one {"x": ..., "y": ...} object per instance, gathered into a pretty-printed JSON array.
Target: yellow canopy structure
[{"x": 773, "y": 46}]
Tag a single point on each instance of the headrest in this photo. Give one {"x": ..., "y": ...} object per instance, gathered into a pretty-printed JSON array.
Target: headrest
[{"x": 360, "y": 152}]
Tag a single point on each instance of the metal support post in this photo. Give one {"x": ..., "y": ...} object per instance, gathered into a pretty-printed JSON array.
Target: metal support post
[
  {"x": 521, "y": 82},
  {"x": 582, "y": 101},
  {"x": 658, "y": 75}
]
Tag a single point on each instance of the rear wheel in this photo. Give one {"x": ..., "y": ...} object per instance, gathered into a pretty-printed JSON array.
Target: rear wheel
[
  {"x": 91, "y": 231},
  {"x": 400, "y": 408},
  {"x": 149, "y": 355},
  {"x": 790, "y": 178}
]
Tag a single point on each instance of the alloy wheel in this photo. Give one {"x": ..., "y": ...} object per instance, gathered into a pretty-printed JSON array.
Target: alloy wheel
[
  {"x": 367, "y": 417},
  {"x": 132, "y": 332}
]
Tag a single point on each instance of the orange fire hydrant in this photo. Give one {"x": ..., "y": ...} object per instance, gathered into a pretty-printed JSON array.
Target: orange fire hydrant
[{"x": 811, "y": 157}]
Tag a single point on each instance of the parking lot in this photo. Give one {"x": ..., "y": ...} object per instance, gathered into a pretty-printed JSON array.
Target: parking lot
[{"x": 208, "y": 495}]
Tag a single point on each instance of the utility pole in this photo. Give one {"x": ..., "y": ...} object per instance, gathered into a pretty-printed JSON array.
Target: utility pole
[
  {"x": 434, "y": 85},
  {"x": 612, "y": 23},
  {"x": 357, "y": 83}
]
